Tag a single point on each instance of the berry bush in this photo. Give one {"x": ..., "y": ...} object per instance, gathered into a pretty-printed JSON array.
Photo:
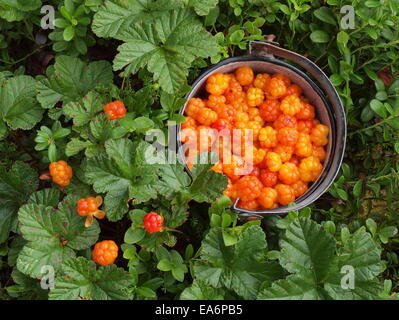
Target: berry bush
[{"x": 92, "y": 202}]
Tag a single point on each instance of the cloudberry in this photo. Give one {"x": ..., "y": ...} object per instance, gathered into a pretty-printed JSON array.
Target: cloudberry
[
  {"x": 255, "y": 97},
  {"x": 244, "y": 75},
  {"x": 299, "y": 188},
  {"x": 193, "y": 106},
  {"x": 307, "y": 112},
  {"x": 293, "y": 89},
  {"x": 231, "y": 190},
  {"x": 255, "y": 172},
  {"x": 276, "y": 88},
  {"x": 320, "y": 153},
  {"x": 267, "y": 198},
  {"x": 217, "y": 83},
  {"x": 291, "y": 105},
  {"x": 189, "y": 123},
  {"x": 284, "y": 78},
  {"x": 267, "y": 137},
  {"x": 105, "y": 252},
  {"x": 268, "y": 178},
  {"x": 206, "y": 116},
  {"x": 310, "y": 169},
  {"x": 254, "y": 115},
  {"x": 115, "y": 109},
  {"x": 189, "y": 136},
  {"x": 285, "y": 152},
  {"x": 270, "y": 110},
  {"x": 234, "y": 91},
  {"x": 295, "y": 160},
  {"x": 248, "y": 205},
  {"x": 249, "y": 188},
  {"x": 61, "y": 173},
  {"x": 285, "y": 120},
  {"x": 304, "y": 147},
  {"x": 206, "y": 137},
  {"x": 214, "y": 101},
  {"x": 227, "y": 112},
  {"x": 319, "y": 135},
  {"x": 234, "y": 167},
  {"x": 305, "y": 126},
  {"x": 288, "y": 173},
  {"x": 287, "y": 136},
  {"x": 89, "y": 208},
  {"x": 153, "y": 222},
  {"x": 241, "y": 117},
  {"x": 285, "y": 194},
  {"x": 273, "y": 161},
  {"x": 221, "y": 124},
  {"x": 261, "y": 80}
]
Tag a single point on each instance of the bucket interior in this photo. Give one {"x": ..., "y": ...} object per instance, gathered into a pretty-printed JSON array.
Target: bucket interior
[{"x": 310, "y": 91}]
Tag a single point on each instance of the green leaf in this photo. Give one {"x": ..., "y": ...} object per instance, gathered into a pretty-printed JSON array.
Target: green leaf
[
  {"x": 241, "y": 268},
  {"x": 357, "y": 188},
  {"x": 378, "y": 108},
  {"x": 52, "y": 235},
  {"x": 48, "y": 197},
  {"x": 85, "y": 109},
  {"x": 134, "y": 235},
  {"x": 71, "y": 79},
  {"x": 69, "y": 33},
  {"x": 200, "y": 291},
  {"x": 18, "y": 105},
  {"x": 74, "y": 146},
  {"x": 202, "y": 7},
  {"x": 326, "y": 15},
  {"x": 319, "y": 36},
  {"x": 81, "y": 280},
  {"x": 307, "y": 249},
  {"x": 396, "y": 147}
]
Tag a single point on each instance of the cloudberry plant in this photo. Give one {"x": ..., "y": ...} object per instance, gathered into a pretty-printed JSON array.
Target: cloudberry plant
[
  {"x": 268, "y": 178},
  {"x": 288, "y": 173},
  {"x": 310, "y": 169},
  {"x": 269, "y": 110},
  {"x": 255, "y": 97},
  {"x": 275, "y": 88},
  {"x": 285, "y": 194},
  {"x": 267, "y": 137},
  {"x": 61, "y": 173},
  {"x": 153, "y": 222},
  {"x": 319, "y": 135},
  {"x": 105, "y": 252},
  {"x": 115, "y": 110},
  {"x": 268, "y": 198},
  {"x": 244, "y": 75},
  {"x": 249, "y": 188},
  {"x": 217, "y": 83},
  {"x": 291, "y": 105}
]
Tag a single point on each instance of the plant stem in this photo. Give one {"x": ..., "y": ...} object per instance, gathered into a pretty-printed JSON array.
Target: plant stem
[{"x": 374, "y": 125}]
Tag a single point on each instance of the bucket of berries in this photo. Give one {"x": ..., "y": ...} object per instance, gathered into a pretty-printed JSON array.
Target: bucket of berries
[{"x": 279, "y": 129}]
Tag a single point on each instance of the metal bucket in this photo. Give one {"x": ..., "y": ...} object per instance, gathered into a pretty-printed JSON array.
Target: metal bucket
[{"x": 316, "y": 87}]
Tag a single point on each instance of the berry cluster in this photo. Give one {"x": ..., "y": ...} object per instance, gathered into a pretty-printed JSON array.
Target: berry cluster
[
  {"x": 115, "y": 110},
  {"x": 105, "y": 252},
  {"x": 282, "y": 144},
  {"x": 89, "y": 208},
  {"x": 153, "y": 222},
  {"x": 61, "y": 173}
]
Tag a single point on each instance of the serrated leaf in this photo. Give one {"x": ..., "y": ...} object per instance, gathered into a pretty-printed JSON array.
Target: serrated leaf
[
  {"x": 241, "y": 268},
  {"x": 83, "y": 281},
  {"x": 18, "y": 105},
  {"x": 74, "y": 146},
  {"x": 84, "y": 110},
  {"x": 48, "y": 197},
  {"x": 200, "y": 291},
  {"x": 70, "y": 79}
]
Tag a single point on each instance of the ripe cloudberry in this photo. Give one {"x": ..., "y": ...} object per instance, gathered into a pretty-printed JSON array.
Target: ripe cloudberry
[
  {"x": 227, "y": 112},
  {"x": 249, "y": 188},
  {"x": 269, "y": 110},
  {"x": 285, "y": 121},
  {"x": 231, "y": 190},
  {"x": 234, "y": 91},
  {"x": 115, "y": 109},
  {"x": 206, "y": 116},
  {"x": 105, "y": 252},
  {"x": 254, "y": 115},
  {"x": 268, "y": 198},
  {"x": 285, "y": 194},
  {"x": 215, "y": 102},
  {"x": 248, "y": 205},
  {"x": 261, "y": 80},
  {"x": 276, "y": 88},
  {"x": 293, "y": 89},
  {"x": 299, "y": 188},
  {"x": 255, "y": 97},
  {"x": 319, "y": 135},
  {"x": 305, "y": 126},
  {"x": 221, "y": 124},
  {"x": 255, "y": 172},
  {"x": 193, "y": 106},
  {"x": 234, "y": 167},
  {"x": 291, "y": 105},
  {"x": 217, "y": 83},
  {"x": 244, "y": 75},
  {"x": 287, "y": 136},
  {"x": 288, "y": 173},
  {"x": 61, "y": 173},
  {"x": 89, "y": 208},
  {"x": 304, "y": 147},
  {"x": 153, "y": 222},
  {"x": 189, "y": 123},
  {"x": 273, "y": 161},
  {"x": 285, "y": 152},
  {"x": 267, "y": 137},
  {"x": 320, "y": 153},
  {"x": 268, "y": 178},
  {"x": 284, "y": 78},
  {"x": 206, "y": 138},
  {"x": 310, "y": 169},
  {"x": 307, "y": 112}
]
